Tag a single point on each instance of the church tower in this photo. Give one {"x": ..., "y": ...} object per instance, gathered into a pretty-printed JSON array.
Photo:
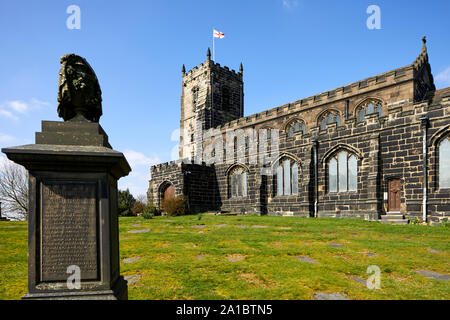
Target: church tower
[{"x": 211, "y": 95}]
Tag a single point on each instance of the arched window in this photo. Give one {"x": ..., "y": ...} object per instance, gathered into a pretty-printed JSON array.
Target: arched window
[
  {"x": 238, "y": 182},
  {"x": 342, "y": 172},
  {"x": 287, "y": 178},
  {"x": 369, "y": 107},
  {"x": 294, "y": 127},
  {"x": 328, "y": 118},
  {"x": 444, "y": 163}
]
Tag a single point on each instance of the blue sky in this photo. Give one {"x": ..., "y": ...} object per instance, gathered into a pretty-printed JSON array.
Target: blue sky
[{"x": 290, "y": 49}]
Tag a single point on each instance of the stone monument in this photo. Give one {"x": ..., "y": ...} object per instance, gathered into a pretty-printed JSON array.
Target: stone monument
[{"x": 73, "y": 172}]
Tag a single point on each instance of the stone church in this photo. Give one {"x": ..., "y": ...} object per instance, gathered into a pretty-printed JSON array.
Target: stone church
[{"x": 376, "y": 149}]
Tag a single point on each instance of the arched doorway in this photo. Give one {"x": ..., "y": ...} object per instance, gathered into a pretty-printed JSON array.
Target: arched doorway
[{"x": 169, "y": 192}]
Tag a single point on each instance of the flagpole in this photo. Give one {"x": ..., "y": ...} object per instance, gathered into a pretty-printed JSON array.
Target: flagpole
[{"x": 214, "y": 50}]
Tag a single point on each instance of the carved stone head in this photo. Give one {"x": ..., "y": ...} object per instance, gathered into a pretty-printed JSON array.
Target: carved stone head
[{"x": 79, "y": 94}]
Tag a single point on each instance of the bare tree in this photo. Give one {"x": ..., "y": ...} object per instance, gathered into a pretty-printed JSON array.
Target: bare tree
[
  {"x": 142, "y": 198},
  {"x": 14, "y": 190}
]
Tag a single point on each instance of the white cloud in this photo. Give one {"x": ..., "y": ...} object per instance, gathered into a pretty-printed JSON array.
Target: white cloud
[
  {"x": 11, "y": 109},
  {"x": 18, "y": 106},
  {"x": 137, "y": 180},
  {"x": 290, "y": 4},
  {"x": 444, "y": 77},
  {"x": 7, "y": 114},
  {"x": 137, "y": 158},
  {"x": 6, "y": 139}
]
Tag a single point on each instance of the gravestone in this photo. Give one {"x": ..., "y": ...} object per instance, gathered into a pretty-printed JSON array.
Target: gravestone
[{"x": 73, "y": 173}]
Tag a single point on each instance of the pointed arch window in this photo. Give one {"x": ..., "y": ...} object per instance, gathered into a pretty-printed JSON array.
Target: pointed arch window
[
  {"x": 238, "y": 182},
  {"x": 343, "y": 172},
  {"x": 295, "y": 127},
  {"x": 444, "y": 163},
  {"x": 287, "y": 178},
  {"x": 369, "y": 107},
  {"x": 328, "y": 118}
]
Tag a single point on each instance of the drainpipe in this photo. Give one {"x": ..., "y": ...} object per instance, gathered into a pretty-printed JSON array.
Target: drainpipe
[
  {"x": 424, "y": 126},
  {"x": 316, "y": 189}
]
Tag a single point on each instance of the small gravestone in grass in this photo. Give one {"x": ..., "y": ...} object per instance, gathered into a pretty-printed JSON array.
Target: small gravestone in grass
[
  {"x": 136, "y": 225},
  {"x": 132, "y": 259},
  {"x": 329, "y": 296},
  {"x": 336, "y": 245},
  {"x": 259, "y": 226},
  {"x": 235, "y": 257},
  {"x": 368, "y": 254},
  {"x": 220, "y": 225},
  {"x": 433, "y": 250},
  {"x": 199, "y": 257},
  {"x": 433, "y": 275},
  {"x": 139, "y": 231},
  {"x": 133, "y": 278},
  {"x": 359, "y": 280},
  {"x": 241, "y": 226},
  {"x": 198, "y": 226},
  {"x": 306, "y": 259}
]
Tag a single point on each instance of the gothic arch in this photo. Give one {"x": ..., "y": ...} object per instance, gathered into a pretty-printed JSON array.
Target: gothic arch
[
  {"x": 339, "y": 147},
  {"x": 326, "y": 111},
  {"x": 287, "y": 155},
  {"x": 162, "y": 188},
  {"x": 290, "y": 129},
  {"x": 439, "y": 135},
  {"x": 234, "y": 165},
  {"x": 292, "y": 120},
  {"x": 363, "y": 103}
]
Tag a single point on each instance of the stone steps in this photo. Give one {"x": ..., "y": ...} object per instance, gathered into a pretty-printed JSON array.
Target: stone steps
[{"x": 393, "y": 218}]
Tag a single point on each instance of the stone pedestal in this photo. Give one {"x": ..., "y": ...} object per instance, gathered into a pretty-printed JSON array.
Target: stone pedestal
[{"x": 73, "y": 220}]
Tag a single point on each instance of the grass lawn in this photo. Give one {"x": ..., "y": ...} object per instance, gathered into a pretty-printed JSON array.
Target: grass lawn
[{"x": 251, "y": 257}]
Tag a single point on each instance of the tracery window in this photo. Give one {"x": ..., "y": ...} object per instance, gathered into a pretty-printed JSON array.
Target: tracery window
[
  {"x": 369, "y": 107},
  {"x": 238, "y": 182},
  {"x": 328, "y": 118},
  {"x": 342, "y": 172},
  {"x": 287, "y": 178},
  {"x": 294, "y": 127},
  {"x": 444, "y": 163}
]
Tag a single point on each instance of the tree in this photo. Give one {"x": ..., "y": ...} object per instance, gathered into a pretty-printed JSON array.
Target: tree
[
  {"x": 14, "y": 190},
  {"x": 126, "y": 202}
]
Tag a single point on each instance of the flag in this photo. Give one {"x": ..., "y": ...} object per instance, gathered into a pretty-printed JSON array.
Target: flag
[{"x": 218, "y": 34}]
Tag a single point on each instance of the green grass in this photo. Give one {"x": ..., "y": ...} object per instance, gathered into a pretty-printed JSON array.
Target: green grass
[{"x": 169, "y": 269}]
